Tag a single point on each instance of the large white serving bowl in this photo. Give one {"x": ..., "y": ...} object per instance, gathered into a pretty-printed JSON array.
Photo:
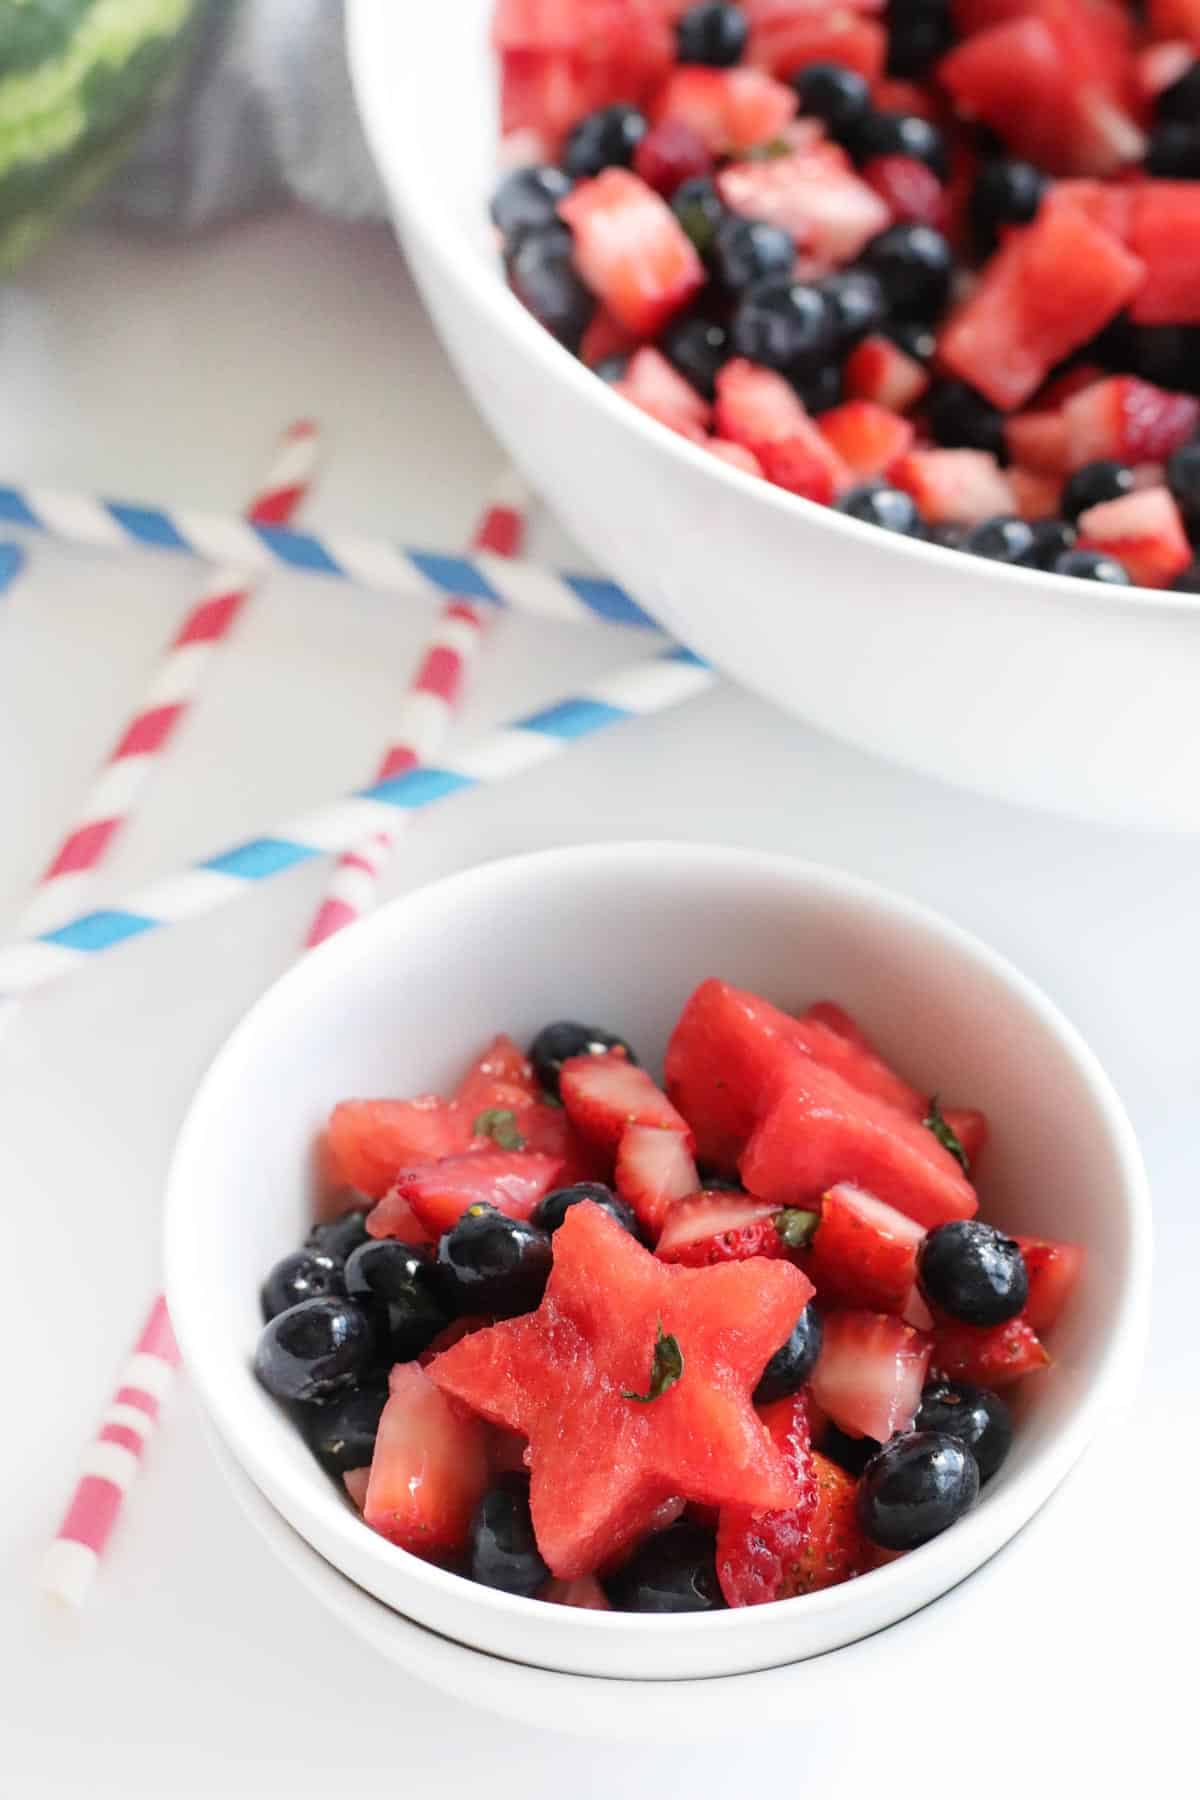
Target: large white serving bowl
[
  {"x": 1046, "y": 691},
  {"x": 620, "y": 934}
]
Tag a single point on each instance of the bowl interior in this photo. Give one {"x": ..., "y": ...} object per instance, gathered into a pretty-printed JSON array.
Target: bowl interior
[{"x": 619, "y": 935}]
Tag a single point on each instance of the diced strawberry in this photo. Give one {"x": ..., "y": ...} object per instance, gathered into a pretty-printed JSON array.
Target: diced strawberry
[
  {"x": 604, "y": 337},
  {"x": 870, "y": 1373},
  {"x": 910, "y": 189},
  {"x": 1053, "y": 1270},
  {"x": 393, "y": 1217},
  {"x": 1108, "y": 204},
  {"x": 540, "y": 92},
  {"x": 1050, "y": 287},
  {"x": 892, "y": 94},
  {"x": 729, "y": 109},
  {"x": 654, "y": 1170},
  {"x": 991, "y": 1356},
  {"x": 736, "y": 455},
  {"x": 429, "y": 1470},
  {"x": 356, "y": 1482},
  {"x": 1128, "y": 419},
  {"x": 367, "y": 1142},
  {"x": 789, "y": 37},
  {"x": 815, "y": 196},
  {"x": 1035, "y": 496},
  {"x": 669, "y": 153},
  {"x": 513, "y": 1181},
  {"x": 500, "y": 1077},
  {"x": 1176, "y": 19},
  {"x": 793, "y": 463},
  {"x": 631, "y": 250},
  {"x": 867, "y": 437},
  {"x": 1038, "y": 441},
  {"x": 954, "y": 487},
  {"x": 1144, "y": 531},
  {"x": 584, "y": 1591},
  {"x": 756, "y": 406},
  {"x": 1060, "y": 388},
  {"x": 547, "y": 1131},
  {"x": 704, "y": 1229},
  {"x": 660, "y": 390},
  {"x": 864, "y": 1254},
  {"x": 756, "y": 1550},
  {"x": 915, "y": 1311},
  {"x": 604, "y": 1095},
  {"x": 879, "y": 370},
  {"x": 836, "y": 1549},
  {"x": 1164, "y": 231},
  {"x": 1159, "y": 66}
]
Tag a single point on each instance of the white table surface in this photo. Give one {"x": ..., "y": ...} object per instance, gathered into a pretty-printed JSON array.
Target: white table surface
[{"x": 161, "y": 373}]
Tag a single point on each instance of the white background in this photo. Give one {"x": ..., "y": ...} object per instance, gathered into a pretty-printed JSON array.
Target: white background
[{"x": 162, "y": 373}]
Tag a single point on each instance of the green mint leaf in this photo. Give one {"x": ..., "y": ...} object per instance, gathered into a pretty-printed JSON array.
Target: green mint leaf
[
  {"x": 774, "y": 147},
  {"x": 500, "y": 1124},
  {"x": 934, "y": 1122},
  {"x": 796, "y": 1227},
  {"x": 666, "y": 1368}
]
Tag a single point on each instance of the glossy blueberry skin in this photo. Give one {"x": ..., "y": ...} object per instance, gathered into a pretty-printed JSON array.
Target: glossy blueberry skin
[
  {"x": 602, "y": 140},
  {"x": 915, "y": 339},
  {"x": 1183, "y": 479},
  {"x": 611, "y": 368},
  {"x": 919, "y": 31},
  {"x": 1006, "y": 540},
  {"x": 1179, "y": 104},
  {"x": 502, "y": 1551},
  {"x": 399, "y": 1284},
  {"x": 697, "y": 347},
  {"x": 785, "y": 325},
  {"x": 542, "y": 276},
  {"x": 302, "y": 1275},
  {"x": 714, "y": 33},
  {"x": 675, "y": 1571},
  {"x": 962, "y": 419},
  {"x": 849, "y": 1453},
  {"x": 550, "y": 1212},
  {"x": 839, "y": 96},
  {"x": 1093, "y": 565},
  {"x": 746, "y": 252},
  {"x": 557, "y": 1043},
  {"x": 527, "y": 200},
  {"x": 341, "y": 1434},
  {"x": 915, "y": 1488},
  {"x": 1188, "y": 582},
  {"x": 974, "y": 1415},
  {"x": 913, "y": 264},
  {"x": 1094, "y": 483},
  {"x": 1168, "y": 355},
  {"x": 973, "y": 1272},
  {"x": 857, "y": 302},
  {"x": 339, "y": 1237},
  {"x": 900, "y": 134},
  {"x": 794, "y": 1361},
  {"x": 820, "y": 388},
  {"x": 315, "y": 1350},
  {"x": 1174, "y": 152},
  {"x": 489, "y": 1263},
  {"x": 1052, "y": 538},
  {"x": 1006, "y": 192},
  {"x": 891, "y": 509},
  {"x": 699, "y": 209}
]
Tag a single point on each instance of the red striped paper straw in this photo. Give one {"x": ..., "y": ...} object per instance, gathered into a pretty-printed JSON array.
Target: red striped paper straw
[
  {"x": 115, "y": 791},
  {"x": 112, "y": 1461}
]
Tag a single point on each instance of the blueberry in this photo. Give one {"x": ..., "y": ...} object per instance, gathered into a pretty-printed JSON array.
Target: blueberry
[
  {"x": 611, "y": 368},
  {"x": 849, "y": 1453},
  {"x": 304, "y": 1275},
  {"x": 961, "y": 419},
  {"x": 601, "y": 139},
  {"x": 542, "y": 275},
  {"x": 839, "y": 96},
  {"x": 1094, "y": 483},
  {"x": 916, "y": 340},
  {"x": 794, "y": 1361},
  {"x": 821, "y": 388},
  {"x": 699, "y": 209},
  {"x": 675, "y": 1571},
  {"x": 915, "y": 1487},
  {"x": 315, "y": 1350},
  {"x": 918, "y": 33},
  {"x": 747, "y": 251},
  {"x": 397, "y": 1282},
  {"x": 338, "y": 1237},
  {"x": 1001, "y": 540},
  {"x": 715, "y": 1181},
  {"x": 857, "y": 303},
  {"x": 489, "y": 1263},
  {"x": 950, "y": 537},
  {"x": 1052, "y": 538},
  {"x": 527, "y": 200},
  {"x": 1006, "y": 192},
  {"x": 1179, "y": 104},
  {"x": 1183, "y": 479},
  {"x": 501, "y": 1548},
  {"x": 555, "y": 1044},
  {"x": 973, "y": 1272},
  {"x": 900, "y": 134},
  {"x": 914, "y": 264},
  {"x": 1189, "y": 581},
  {"x": 1168, "y": 355},
  {"x": 1093, "y": 565},
  {"x": 974, "y": 1415},
  {"x": 784, "y": 324},
  {"x": 714, "y": 33},
  {"x": 877, "y": 504},
  {"x": 1174, "y": 152},
  {"x": 697, "y": 346},
  {"x": 341, "y": 1434},
  {"x": 550, "y": 1212}
]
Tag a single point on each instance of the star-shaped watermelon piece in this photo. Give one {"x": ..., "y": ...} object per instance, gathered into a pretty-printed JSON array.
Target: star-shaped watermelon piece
[{"x": 568, "y": 1377}]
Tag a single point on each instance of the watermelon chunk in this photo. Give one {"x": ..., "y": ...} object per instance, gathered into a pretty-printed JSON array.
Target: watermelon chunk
[
  {"x": 879, "y": 370},
  {"x": 728, "y": 1052},
  {"x": 787, "y": 37},
  {"x": 756, "y": 406},
  {"x": 367, "y": 1142},
  {"x": 868, "y": 438},
  {"x": 429, "y": 1470},
  {"x": 992, "y": 1356},
  {"x": 1053, "y": 1271},
  {"x": 728, "y": 109},
  {"x": 631, "y": 250},
  {"x": 815, "y": 196},
  {"x": 953, "y": 487},
  {"x": 1164, "y": 233},
  {"x": 657, "y": 388}
]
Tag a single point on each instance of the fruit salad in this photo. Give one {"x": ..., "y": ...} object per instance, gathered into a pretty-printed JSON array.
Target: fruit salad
[
  {"x": 609, "y": 1343},
  {"x": 934, "y": 263}
]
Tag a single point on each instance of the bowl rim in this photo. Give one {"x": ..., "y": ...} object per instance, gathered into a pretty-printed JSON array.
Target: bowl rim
[
  {"x": 367, "y": 32},
  {"x": 974, "y": 1538}
]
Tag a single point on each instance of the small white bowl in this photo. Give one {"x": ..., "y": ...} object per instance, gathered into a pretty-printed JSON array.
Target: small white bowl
[
  {"x": 1046, "y": 691},
  {"x": 620, "y": 934}
]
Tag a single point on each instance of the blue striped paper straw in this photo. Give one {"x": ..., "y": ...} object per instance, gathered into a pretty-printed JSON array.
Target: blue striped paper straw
[
  {"x": 12, "y": 561},
  {"x": 375, "y": 563},
  {"x": 649, "y": 686}
]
